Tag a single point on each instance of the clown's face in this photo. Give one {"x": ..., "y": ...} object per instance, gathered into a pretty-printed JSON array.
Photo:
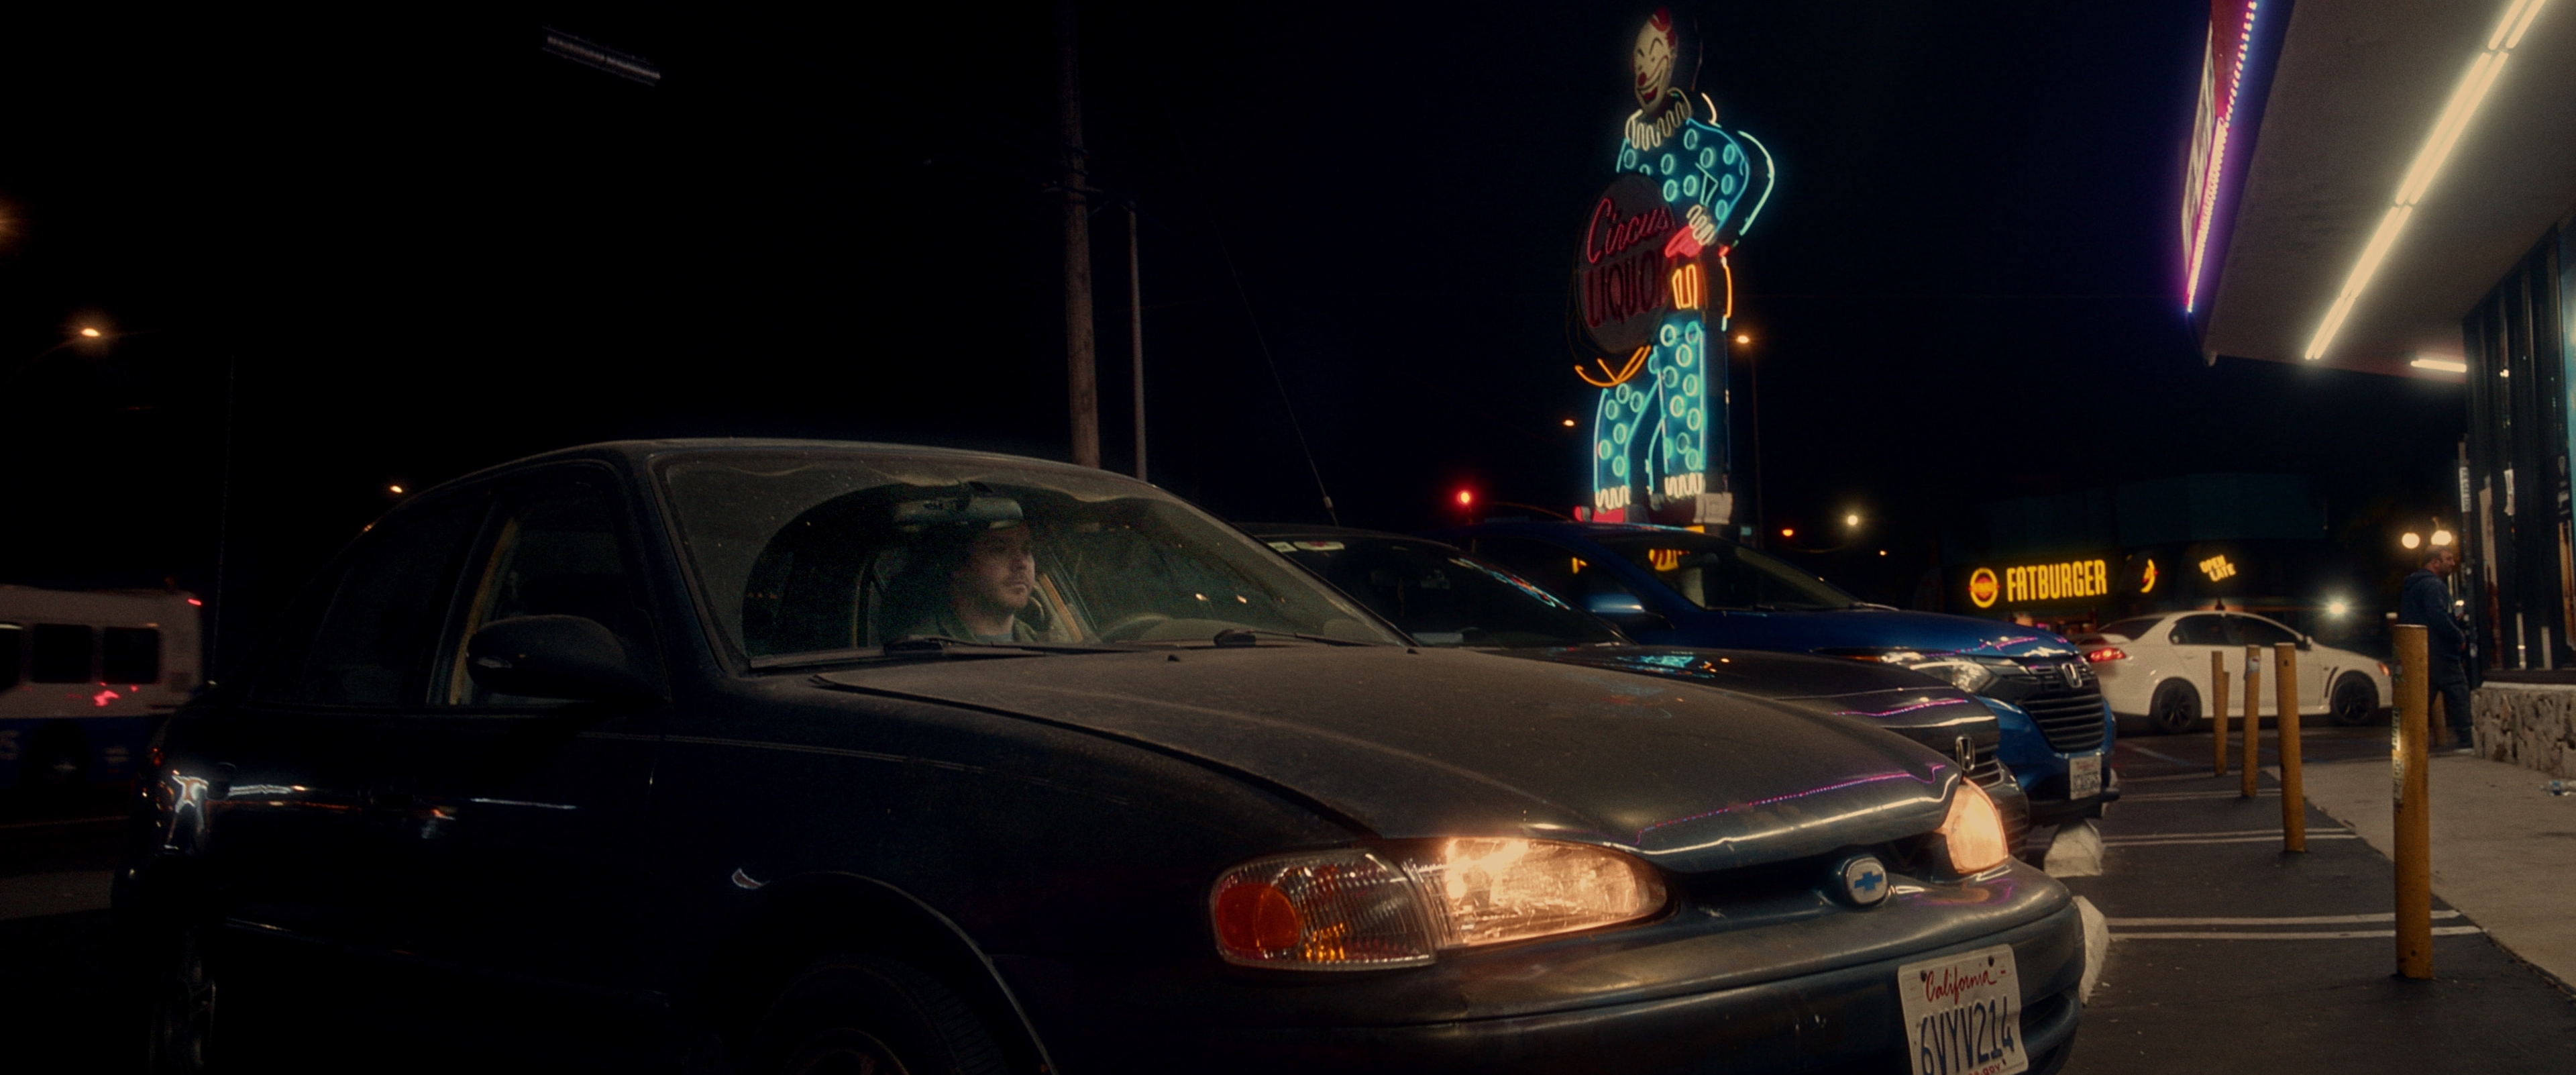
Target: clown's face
[{"x": 1654, "y": 63}]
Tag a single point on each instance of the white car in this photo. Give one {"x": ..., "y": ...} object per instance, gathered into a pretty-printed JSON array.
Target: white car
[{"x": 2158, "y": 667}]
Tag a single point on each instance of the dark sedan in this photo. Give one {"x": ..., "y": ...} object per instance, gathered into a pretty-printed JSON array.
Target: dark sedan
[
  {"x": 870, "y": 758},
  {"x": 1441, "y": 596}
]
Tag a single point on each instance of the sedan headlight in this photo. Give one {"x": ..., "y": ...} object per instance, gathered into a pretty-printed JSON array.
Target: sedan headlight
[
  {"x": 1973, "y": 833},
  {"x": 1371, "y": 908}
]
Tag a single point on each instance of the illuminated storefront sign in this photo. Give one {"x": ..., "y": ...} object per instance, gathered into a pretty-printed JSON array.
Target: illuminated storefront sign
[
  {"x": 2147, "y": 581},
  {"x": 2217, "y": 567},
  {"x": 1982, "y": 588},
  {"x": 2039, "y": 583},
  {"x": 1651, "y": 279},
  {"x": 2054, "y": 582}
]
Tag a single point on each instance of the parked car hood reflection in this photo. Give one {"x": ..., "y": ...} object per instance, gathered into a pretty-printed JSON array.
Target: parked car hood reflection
[
  {"x": 1928, "y": 632},
  {"x": 1432, "y": 743},
  {"x": 1885, "y": 695}
]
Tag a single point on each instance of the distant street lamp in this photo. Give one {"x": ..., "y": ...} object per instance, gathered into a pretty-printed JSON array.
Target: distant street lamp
[
  {"x": 2410, "y": 539},
  {"x": 2441, "y": 538},
  {"x": 1852, "y": 520}
]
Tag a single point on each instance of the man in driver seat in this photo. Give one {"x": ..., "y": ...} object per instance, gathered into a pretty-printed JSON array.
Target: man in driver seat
[{"x": 989, "y": 580}]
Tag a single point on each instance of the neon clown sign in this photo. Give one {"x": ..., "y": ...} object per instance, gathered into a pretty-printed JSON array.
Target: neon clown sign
[{"x": 1653, "y": 294}]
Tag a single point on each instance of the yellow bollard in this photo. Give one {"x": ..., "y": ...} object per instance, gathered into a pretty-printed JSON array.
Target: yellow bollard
[
  {"x": 2253, "y": 718},
  {"x": 2217, "y": 713},
  {"x": 2414, "y": 835},
  {"x": 2285, "y": 701}
]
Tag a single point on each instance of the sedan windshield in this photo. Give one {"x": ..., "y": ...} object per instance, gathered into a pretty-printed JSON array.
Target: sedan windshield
[
  {"x": 819, "y": 552},
  {"x": 1717, "y": 573},
  {"x": 1443, "y": 598}
]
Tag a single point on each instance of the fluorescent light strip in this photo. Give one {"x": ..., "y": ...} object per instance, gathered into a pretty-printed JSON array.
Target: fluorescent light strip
[
  {"x": 2428, "y": 163},
  {"x": 2446, "y": 365}
]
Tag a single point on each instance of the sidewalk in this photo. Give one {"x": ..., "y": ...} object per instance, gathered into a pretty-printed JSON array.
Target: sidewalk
[
  {"x": 2228, "y": 954},
  {"x": 2504, "y": 851}
]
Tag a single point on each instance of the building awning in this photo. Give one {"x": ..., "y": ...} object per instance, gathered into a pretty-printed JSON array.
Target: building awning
[{"x": 2355, "y": 92}]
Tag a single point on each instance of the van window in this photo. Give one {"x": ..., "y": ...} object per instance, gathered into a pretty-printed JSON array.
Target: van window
[
  {"x": 13, "y": 640},
  {"x": 130, "y": 655},
  {"x": 61, "y": 653}
]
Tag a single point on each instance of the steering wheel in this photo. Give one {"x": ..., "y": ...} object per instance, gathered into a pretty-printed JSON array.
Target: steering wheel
[{"x": 1132, "y": 627}]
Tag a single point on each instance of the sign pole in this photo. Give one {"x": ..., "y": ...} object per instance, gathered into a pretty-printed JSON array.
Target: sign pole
[{"x": 1082, "y": 390}]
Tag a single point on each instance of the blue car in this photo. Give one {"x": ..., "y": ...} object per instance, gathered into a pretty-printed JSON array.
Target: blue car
[{"x": 1670, "y": 586}]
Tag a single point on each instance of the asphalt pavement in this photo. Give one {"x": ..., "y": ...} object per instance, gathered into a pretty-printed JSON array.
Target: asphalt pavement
[
  {"x": 2229, "y": 954},
  {"x": 55, "y": 984}
]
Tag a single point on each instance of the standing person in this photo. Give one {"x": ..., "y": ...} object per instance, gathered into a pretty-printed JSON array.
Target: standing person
[{"x": 2427, "y": 603}]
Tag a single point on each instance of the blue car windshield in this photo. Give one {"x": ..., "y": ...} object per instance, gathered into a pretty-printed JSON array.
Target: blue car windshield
[
  {"x": 1717, "y": 573},
  {"x": 1442, "y": 598},
  {"x": 824, "y": 551}
]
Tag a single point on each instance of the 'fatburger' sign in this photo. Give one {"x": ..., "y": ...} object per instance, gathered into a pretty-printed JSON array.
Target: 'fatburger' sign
[{"x": 1622, "y": 271}]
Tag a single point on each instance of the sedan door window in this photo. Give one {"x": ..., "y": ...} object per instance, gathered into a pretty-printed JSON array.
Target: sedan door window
[
  {"x": 2208, "y": 630},
  {"x": 372, "y": 645},
  {"x": 555, "y": 550},
  {"x": 2251, "y": 631}
]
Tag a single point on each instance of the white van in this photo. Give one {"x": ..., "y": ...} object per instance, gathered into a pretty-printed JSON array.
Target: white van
[{"x": 84, "y": 676}]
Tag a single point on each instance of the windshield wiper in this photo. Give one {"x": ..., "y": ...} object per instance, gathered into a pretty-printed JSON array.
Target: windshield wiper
[
  {"x": 931, "y": 647},
  {"x": 1225, "y": 637}
]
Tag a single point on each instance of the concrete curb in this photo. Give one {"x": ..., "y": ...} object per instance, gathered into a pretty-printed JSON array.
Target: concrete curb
[
  {"x": 2097, "y": 947},
  {"x": 2076, "y": 852}
]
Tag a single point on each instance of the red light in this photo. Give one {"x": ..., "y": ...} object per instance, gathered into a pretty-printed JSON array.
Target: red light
[
  {"x": 194, "y": 601},
  {"x": 1465, "y": 498},
  {"x": 1787, "y": 532},
  {"x": 1257, "y": 918},
  {"x": 103, "y": 697},
  {"x": 2108, "y": 653}
]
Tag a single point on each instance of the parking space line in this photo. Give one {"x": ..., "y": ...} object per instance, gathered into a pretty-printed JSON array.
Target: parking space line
[
  {"x": 2156, "y": 754},
  {"x": 2298, "y": 920},
  {"x": 2274, "y": 831},
  {"x": 2273, "y": 838},
  {"x": 2312, "y": 935}
]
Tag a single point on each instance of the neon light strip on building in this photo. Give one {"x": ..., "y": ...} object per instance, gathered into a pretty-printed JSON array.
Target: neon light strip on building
[{"x": 2208, "y": 179}]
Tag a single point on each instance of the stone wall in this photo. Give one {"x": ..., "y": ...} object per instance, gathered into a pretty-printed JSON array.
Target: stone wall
[{"x": 2532, "y": 725}]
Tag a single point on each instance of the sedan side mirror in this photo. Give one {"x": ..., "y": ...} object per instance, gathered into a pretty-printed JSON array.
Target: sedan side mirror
[
  {"x": 566, "y": 657},
  {"x": 2307, "y": 642},
  {"x": 1627, "y": 611}
]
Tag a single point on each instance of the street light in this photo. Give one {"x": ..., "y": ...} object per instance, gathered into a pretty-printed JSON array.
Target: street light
[
  {"x": 1852, "y": 520},
  {"x": 89, "y": 332},
  {"x": 2410, "y": 539},
  {"x": 2441, "y": 538}
]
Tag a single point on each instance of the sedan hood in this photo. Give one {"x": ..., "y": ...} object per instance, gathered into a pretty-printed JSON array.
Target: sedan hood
[{"x": 1433, "y": 743}]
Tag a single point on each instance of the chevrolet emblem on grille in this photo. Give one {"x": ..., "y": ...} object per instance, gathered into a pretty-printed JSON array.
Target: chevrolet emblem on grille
[{"x": 2073, "y": 673}]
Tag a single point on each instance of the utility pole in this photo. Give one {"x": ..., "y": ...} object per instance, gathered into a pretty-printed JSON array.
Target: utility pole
[
  {"x": 1136, "y": 335},
  {"x": 1082, "y": 389}
]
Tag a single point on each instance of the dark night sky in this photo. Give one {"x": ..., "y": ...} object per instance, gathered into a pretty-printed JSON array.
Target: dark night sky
[{"x": 431, "y": 248}]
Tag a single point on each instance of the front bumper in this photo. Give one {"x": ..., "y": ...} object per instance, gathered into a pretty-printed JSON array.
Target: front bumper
[{"x": 1815, "y": 991}]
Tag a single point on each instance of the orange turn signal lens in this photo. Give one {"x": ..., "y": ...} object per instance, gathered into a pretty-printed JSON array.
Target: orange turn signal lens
[{"x": 1974, "y": 831}]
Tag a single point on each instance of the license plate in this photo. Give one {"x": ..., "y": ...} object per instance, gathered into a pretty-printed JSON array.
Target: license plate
[
  {"x": 1963, "y": 1013},
  {"x": 2084, "y": 777}
]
